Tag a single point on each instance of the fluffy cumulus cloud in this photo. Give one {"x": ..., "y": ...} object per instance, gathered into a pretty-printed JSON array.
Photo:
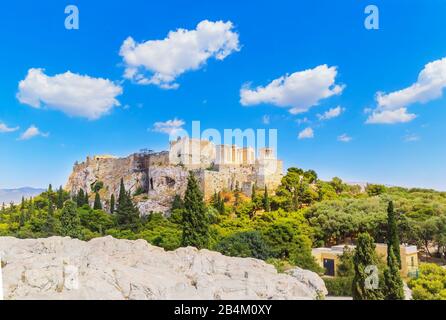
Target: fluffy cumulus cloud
[
  {"x": 170, "y": 127},
  {"x": 73, "y": 94},
  {"x": 392, "y": 107},
  {"x": 344, "y": 138},
  {"x": 307, "y": 133},
  {"x": 400, "y": 115},
  {"x": 160, "y": 62},
  {"x": 5, "y": 129},
  {"x": 32, "y": 132},
  {"x": 298, "y": 91},
  {"x": 331, "y": 113}
]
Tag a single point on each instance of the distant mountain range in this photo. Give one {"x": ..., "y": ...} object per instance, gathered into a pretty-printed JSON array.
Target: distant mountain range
[{"x": 15, "y": 195}]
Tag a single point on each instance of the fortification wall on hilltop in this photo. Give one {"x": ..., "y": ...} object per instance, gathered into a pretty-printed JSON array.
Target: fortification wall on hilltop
[{"x": 157, "y": 181}]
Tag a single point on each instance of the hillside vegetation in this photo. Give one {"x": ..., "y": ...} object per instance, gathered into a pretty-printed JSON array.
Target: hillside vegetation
[{"x": 281, "y": 228}]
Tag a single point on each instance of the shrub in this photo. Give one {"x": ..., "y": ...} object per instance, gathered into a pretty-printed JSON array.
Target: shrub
[
  {"x": 339, "y": 286},
  {"x": 244, "y": 244}
]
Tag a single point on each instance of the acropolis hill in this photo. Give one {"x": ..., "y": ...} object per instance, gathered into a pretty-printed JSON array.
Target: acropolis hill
[{"x": 158, "y": 177}]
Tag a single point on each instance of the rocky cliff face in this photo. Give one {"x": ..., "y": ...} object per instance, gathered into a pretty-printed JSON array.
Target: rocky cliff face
[
  {"x": 107, "y": 268},
  {"x": 157, "y": 192}
]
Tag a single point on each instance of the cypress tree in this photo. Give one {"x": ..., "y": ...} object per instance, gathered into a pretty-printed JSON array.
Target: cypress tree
[
  {"x": 70, "y": 222},
  {"x": 393, "y": 241},
  {"x": 22, "y": 216},
  {"x": 122, "y": 192},
  {"x": 214, "y": 200},
  {"x": 60, "y": 198},
  {"x": 365, "y": 256},
  {"x": 22, "y": 205},
  {"x": 221, "y": 204},
  {"x": 195, "y": 220},
  {"x": 253, "y": 193},
  {"x": 295, "y": 199},
  {"x": 266, "y": 203},
  {"x": 112, "y": 203},
  {"x": 80, "y": 199},
  {"x": 48, "y": 226},
  {"x": 177, "y": 202},
  {"x": 392, "y": 279},
  {"x": 127, "y": 214},
  {"x": 97, "y": 202},
  {"x": 87, "y": 199},
  {"x": 30, "y": 211}
]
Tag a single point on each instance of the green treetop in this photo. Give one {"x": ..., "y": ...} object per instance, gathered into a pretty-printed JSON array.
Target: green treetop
[
  {"x": 364, "y": 286},
  {"x": 195, "y": 221},
  {"x": 70, "y": 222},
  {"x": 97, "y": 202}
]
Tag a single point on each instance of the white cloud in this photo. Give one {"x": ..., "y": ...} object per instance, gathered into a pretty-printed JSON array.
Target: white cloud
[
  {"x": 182, "y": 50},
  {"x": 303, "y": 120},
  {"x": 344, "y": 138},
  {"x": 390, "y": 116},
  {"x": 306, "y": 134},
  {"x": 298, "y": 91},
  {"x": 32, "y": 132},
  {"x": 73, "y": 94},
  {"x": 429, "y": 86},
  {"x": 266, "y": 119},
  {"x": 411, "y": 138},
  {"x": 4, "y": 128},
  {"x": 331, "y": 113},
  {"x": 170, "y": 127}
]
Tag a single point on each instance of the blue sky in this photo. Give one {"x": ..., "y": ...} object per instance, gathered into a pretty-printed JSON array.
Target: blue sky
[{"x": 274, "y": 39}]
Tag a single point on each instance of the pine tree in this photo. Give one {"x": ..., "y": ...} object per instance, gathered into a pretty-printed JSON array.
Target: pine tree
[
  {"x": 393, "y": 241},
  {"x": 97, "y": 202},
  {"x": 266, "y": 203},
  {"x": 392, "y": 279},
  {"x": 70, "y": 222},
  {"x": 127, "y": 214},
  {"x": 364, "y": 257},
  {"x": 195, "y": 220},
  {"x": 112, "y": 203}
]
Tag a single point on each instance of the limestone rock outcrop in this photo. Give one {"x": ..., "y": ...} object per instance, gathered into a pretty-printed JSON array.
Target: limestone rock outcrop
[{"x": 107, "y": 268}]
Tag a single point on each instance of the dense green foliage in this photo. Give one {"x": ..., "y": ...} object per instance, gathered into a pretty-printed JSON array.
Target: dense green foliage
[
  {"x": 431, "y": 283},
  {"x": 393, "y": 284},
  {"x": 279, "y": 226},
  {"x": 363, "y": 286},
  {"x": 195, "y": 221}
]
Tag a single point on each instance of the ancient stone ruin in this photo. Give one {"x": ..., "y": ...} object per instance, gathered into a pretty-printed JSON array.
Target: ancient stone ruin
[{"x": 156, "y": 177}]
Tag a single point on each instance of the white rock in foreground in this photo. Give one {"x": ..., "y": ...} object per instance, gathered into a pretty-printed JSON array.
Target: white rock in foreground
[{"x": 107, "y": 268}]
